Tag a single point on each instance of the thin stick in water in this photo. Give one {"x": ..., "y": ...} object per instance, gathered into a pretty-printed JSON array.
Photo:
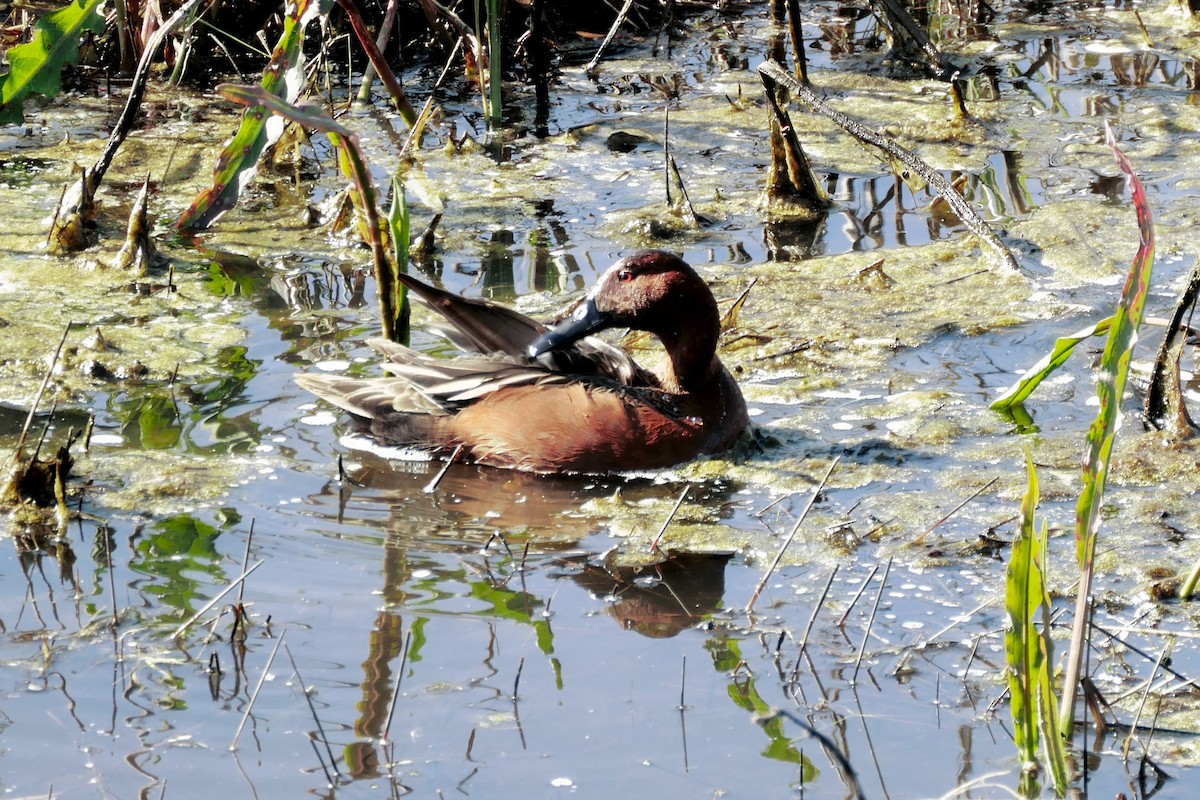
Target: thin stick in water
[
  {"x": 316, "y": 719},
  {"x": 245, "y": 561},
  {"x": 870, "y": 621},
  {"x": 387, "y": 726},
  {"x": 517, "y": 680},
  {"x": 682, "y": 496},
  {"x": 854, "y": 600},
  {"x": 42, "y": 389},
  {"x": 431, "y": 487},
  {"x": 617, "y": 23},
  {"x": 812, "y": 621},
  {"x": 795, "y": 528},
  {"x": 258, "y": 688},
  {"x": 179, "y": 631},
  {"x": 921, "y": 539},
  {"x": 682, "y": 682}
]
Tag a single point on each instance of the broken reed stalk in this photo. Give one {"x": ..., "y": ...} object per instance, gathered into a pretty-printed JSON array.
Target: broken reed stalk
[
  {"x": 870, "y": 621},
  {"x": 363, "y": 33},
  {"x": 385, "y": 33},
  {"x": 258, "y": 688},
  {"x": 682, "y": 496},
  {"x": 431, "y": 487},
  {"x": 906, "y": 30},
  {"x": 812, "y": 619},
  {"x": 791, "y": 176},
  {"x": 245, "y": 561},
  {"x": 137, "y": 91},
  {"x": 759, "y": 514},
  {"x": 1185, "y": 681},
  {"x": 958, "y": 204},
  {"x": 792, "y": 535},
  {"x": 590, "y": 69},
  {"x": 423, "y": 117},
  {"x": 312, "y": 707},
  {"x": 1163, "y": 656},
  {"x": 796, "y": 33},
  {"x": 37, "y": 448},
  {"x": 1165, "y": 407},
  {"x": 682, "y": 682},
  {"x": 229, "y": 588},
  {"x": 854, "y": 600},
  {"x": 387, "y": 725}
]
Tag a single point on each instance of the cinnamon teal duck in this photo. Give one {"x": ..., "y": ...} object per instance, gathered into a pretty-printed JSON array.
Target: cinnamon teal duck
[{"x": 557, "y": 399}]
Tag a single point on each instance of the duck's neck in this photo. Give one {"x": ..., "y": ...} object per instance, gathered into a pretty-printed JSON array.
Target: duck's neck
[{"x": 691, "y": 353}]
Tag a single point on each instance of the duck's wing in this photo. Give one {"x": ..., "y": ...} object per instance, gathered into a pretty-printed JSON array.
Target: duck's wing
[
  {"x": 487, "y": 327},
  {"x": 418, "y": 384}
]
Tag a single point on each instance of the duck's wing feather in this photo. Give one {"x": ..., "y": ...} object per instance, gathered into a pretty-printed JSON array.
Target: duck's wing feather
[
  {"x": 418, "y": 384},
  {"x": 489, "y": 327},
  {"x": 370, "y": 398},
  {"x": 486, "y": 327}
]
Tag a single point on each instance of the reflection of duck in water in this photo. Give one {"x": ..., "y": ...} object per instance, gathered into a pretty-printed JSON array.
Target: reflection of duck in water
[
  {"x": 660, "y": 600},
  {"x": 419, "y": 503},
  {"x": 552, "y": 400}
]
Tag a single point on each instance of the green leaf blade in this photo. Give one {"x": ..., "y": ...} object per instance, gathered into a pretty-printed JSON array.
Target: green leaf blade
[{"x": 1063, "y": 348}]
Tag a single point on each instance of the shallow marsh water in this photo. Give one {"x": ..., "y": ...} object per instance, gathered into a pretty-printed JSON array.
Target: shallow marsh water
[{"x": 553, "y": 662}]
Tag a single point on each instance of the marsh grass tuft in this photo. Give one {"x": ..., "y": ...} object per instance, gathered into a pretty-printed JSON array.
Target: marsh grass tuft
[{"x": 1028, "y": 647}]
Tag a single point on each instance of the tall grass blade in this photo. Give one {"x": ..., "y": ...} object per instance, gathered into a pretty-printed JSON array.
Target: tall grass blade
[
  {"x": 1030, "y": 650},
  {"x": 1056, "y": 751},
  {"x": 399, "y": 231},
  {"x": 1114, "y": 371}
]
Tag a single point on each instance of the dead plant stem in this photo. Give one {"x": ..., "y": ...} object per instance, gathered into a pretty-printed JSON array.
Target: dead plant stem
[{"x": 792, "y": 535}]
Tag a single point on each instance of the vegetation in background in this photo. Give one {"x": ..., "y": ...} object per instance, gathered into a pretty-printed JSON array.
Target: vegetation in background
[{"x": 37, "y": 65}]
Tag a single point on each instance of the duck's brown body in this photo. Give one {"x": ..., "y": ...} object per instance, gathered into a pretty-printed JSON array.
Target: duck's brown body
[{"x": 557, "y": 400}]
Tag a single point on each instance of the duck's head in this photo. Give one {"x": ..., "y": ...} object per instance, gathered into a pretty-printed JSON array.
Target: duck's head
[{"x": 650, "y": 291}]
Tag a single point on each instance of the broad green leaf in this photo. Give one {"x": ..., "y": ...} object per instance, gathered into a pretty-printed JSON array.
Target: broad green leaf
[
  {"x": 36, "y": 66},
  {"x": 1041, "y": 370}
]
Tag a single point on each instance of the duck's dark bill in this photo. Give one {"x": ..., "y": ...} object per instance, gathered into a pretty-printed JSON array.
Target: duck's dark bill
[{"x": 586, "y": 320}]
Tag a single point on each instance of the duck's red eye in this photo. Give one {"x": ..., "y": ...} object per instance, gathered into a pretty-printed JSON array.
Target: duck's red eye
[{"x": 624, "y": 276}]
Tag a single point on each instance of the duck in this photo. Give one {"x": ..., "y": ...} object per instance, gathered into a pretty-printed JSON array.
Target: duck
[{"x": 556, "y": 398}]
